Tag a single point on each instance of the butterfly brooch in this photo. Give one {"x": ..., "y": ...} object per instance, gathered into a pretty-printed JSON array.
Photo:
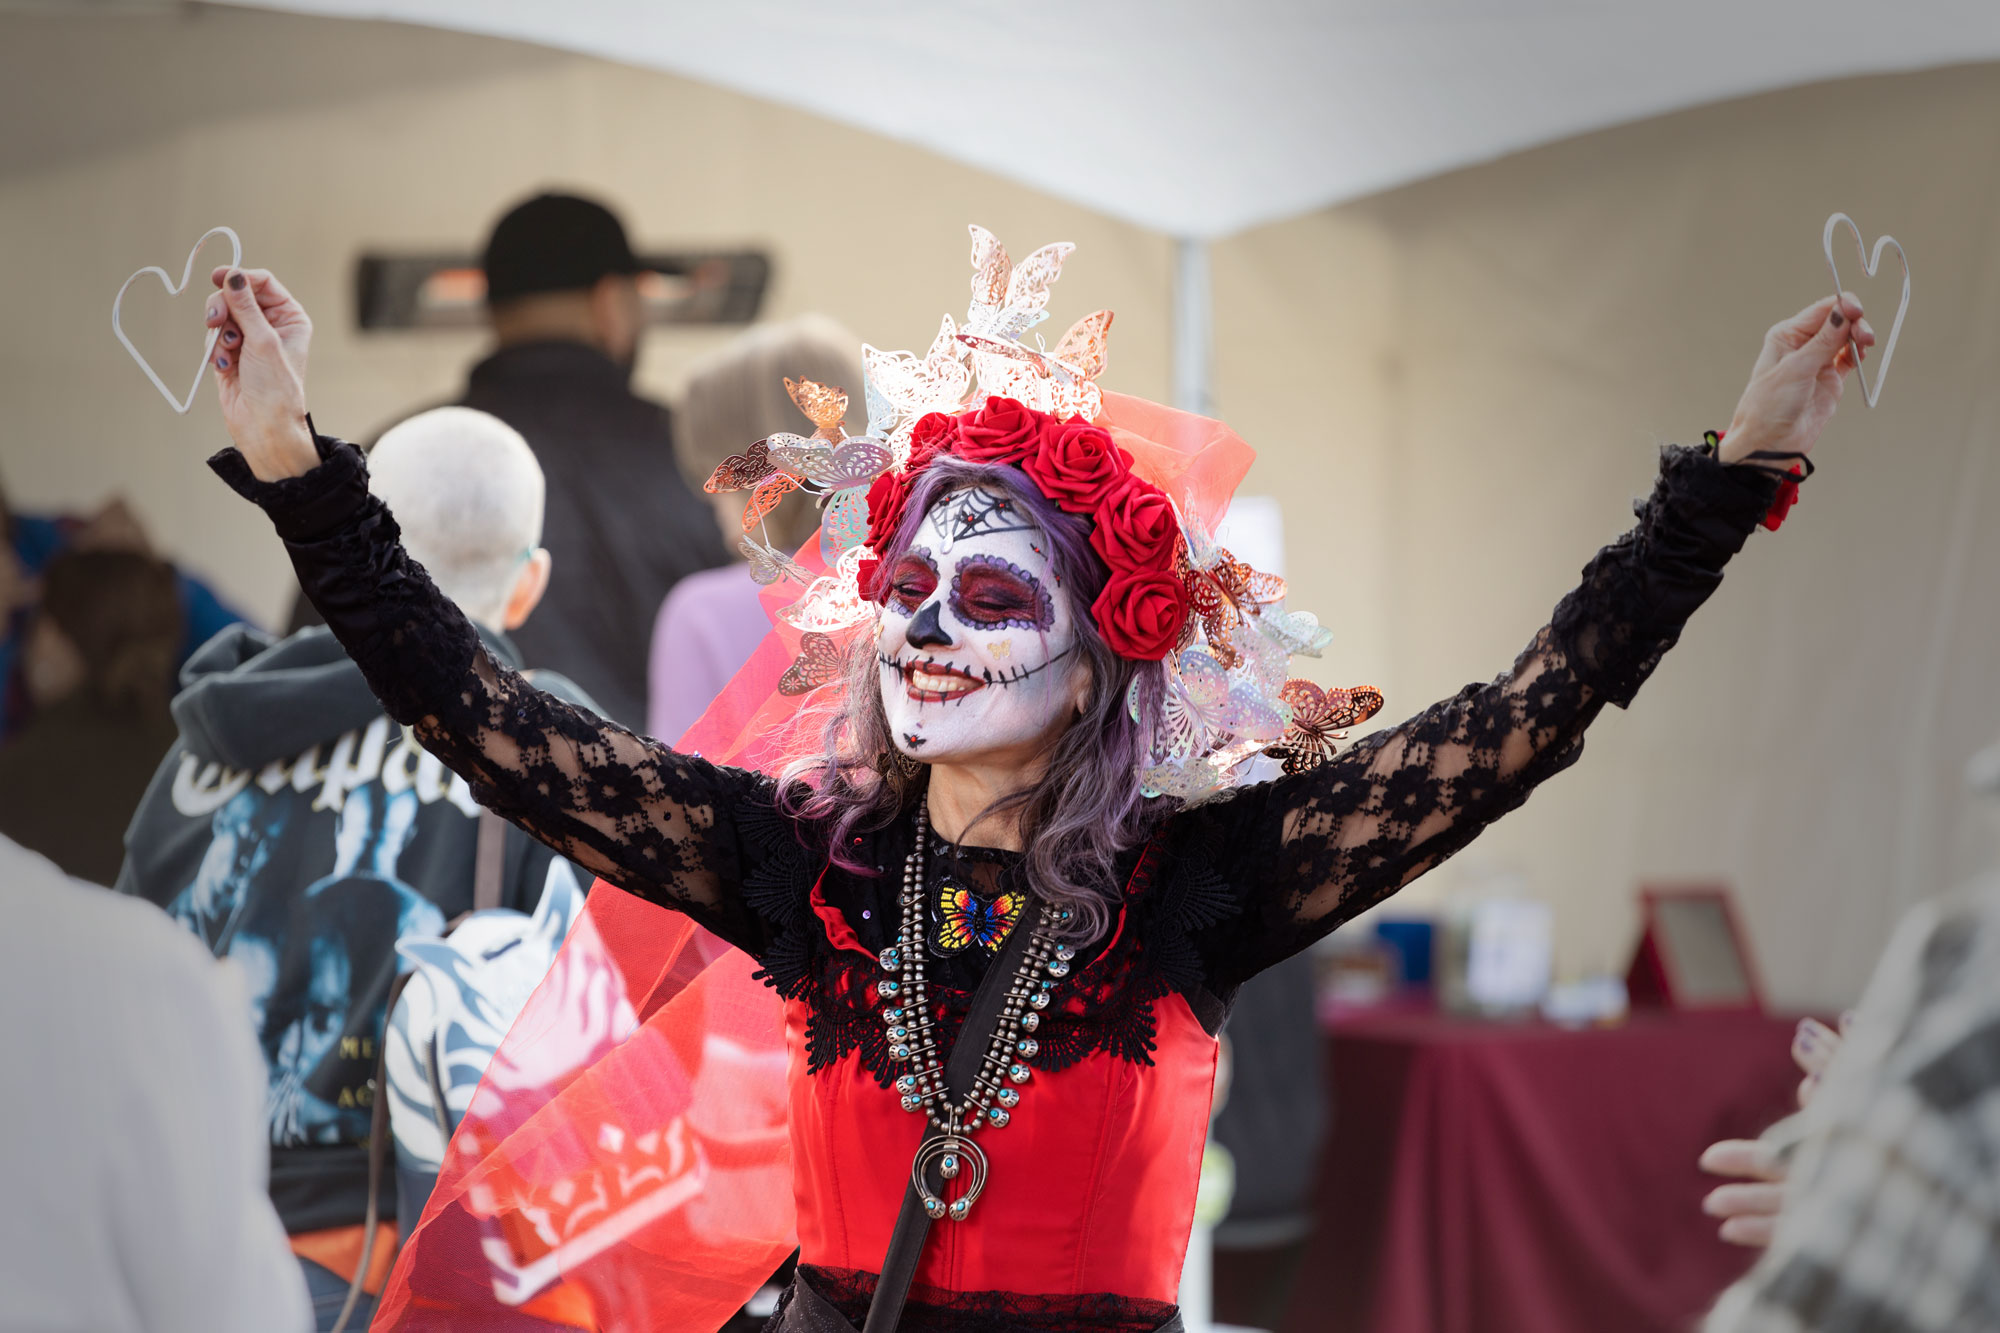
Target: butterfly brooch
[{"x": 966, "y": 920}]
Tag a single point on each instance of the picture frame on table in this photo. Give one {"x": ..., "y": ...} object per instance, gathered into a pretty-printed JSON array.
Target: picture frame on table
[{"x": 1693, "y": 954}]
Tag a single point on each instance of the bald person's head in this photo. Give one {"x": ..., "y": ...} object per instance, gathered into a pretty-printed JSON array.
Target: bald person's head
[{"x": 467, "y": 492}]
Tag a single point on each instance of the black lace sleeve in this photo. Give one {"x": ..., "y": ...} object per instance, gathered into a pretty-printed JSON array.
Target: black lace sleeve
[
  {"x": 1307, "y": 852},
  {"x": 669, "y": 827}
]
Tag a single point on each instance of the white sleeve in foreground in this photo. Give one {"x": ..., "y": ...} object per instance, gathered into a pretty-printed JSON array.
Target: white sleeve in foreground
[{"x": 222, "y": 1265}]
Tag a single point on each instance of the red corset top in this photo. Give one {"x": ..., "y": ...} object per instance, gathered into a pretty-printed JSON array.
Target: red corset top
[{"x": 1091, "y": 1185}]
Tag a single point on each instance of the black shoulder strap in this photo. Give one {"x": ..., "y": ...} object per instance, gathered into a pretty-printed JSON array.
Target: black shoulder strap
[
  {"x": 913, "y": 1224},
  {"x": 378, "y": 1154},
  {"x": 489, "y": 865}
]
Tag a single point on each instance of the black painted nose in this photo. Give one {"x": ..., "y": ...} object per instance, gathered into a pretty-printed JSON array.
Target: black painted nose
[{"x": 927, "y": 631}]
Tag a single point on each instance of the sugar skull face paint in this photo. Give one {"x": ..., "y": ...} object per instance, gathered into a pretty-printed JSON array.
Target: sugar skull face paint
[{"x": 977, "y": 643}]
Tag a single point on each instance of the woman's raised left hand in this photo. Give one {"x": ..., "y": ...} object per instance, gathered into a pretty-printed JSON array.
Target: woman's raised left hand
[{"x": 1796, "y": 383}]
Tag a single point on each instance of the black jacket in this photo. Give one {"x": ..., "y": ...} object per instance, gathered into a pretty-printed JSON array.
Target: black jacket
[
  {"x": 622, "y": 524},
  {"x": 299, "y": 832}
]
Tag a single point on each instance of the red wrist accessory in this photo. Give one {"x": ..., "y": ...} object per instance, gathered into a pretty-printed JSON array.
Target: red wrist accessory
[{"x": 1788, "y": 480}]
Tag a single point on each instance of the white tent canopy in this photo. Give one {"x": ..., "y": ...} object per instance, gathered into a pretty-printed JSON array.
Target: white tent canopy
[{"x": 1198, "y": 118}]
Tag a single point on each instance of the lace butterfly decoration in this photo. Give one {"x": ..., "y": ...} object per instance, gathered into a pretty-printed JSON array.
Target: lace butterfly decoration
[
  {"x": 1064, "y": 380},
  {"x": 1008, "y": 301},
  {"x": 1205, "y": 707},
  {"x": 1210, "y": 720},
  {"x": 832, "y": 602},
  {"x": 828, "y": 463},
  {"x": 768, "y": 564},
  {"x": 902, "y": 387},
  {"x": 820, "y": 662},
  {"x": 843, "y": 523},
  {"x": 1228, "y": 695},
  {"x": 1225, "y": 592},
  {"x": 1319, "y": 719},
  {"x": 966, "y": 920}
]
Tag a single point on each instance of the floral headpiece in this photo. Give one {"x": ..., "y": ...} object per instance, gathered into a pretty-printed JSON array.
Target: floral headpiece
[
  {"x": 1173, "y": 596},
  {"x": 1145, "y": 606}
]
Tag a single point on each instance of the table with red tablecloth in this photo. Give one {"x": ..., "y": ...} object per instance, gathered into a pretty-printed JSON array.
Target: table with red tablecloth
[{"x": 1489, "y": 1177}]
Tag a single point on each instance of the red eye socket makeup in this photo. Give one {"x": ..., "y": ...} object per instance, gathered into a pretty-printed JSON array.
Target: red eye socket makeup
[
  {"x": 993, "y": 593},
  {"x": 914, "y": 580}
]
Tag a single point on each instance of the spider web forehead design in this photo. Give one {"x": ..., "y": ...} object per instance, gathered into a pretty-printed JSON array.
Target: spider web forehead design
[{"x": 977, "y": 513}]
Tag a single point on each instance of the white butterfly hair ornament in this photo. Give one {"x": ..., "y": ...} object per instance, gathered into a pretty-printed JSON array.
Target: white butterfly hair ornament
[{"x": 1007, "y": 302}]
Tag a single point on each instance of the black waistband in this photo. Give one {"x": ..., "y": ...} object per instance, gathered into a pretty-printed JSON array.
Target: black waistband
[{"x": 825, "y": 1300}]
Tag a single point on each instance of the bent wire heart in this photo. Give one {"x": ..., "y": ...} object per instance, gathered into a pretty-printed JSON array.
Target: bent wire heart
[
  {"x": 180, "y": 405},
  {"x": 1869, "y": 263}
]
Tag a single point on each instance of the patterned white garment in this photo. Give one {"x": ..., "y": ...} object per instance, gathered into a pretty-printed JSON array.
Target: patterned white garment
[{"x": 1891, "y": 1221}]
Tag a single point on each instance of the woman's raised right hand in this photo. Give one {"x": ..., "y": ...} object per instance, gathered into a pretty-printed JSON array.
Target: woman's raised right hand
[{"x": 260, "y": 371}]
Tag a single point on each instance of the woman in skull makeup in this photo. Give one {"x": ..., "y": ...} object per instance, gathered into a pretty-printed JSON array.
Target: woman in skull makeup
[{"x": 1048, "y": 663}]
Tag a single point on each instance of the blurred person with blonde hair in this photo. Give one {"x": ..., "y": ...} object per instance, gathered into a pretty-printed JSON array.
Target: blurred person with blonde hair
[
  {"x": 97, "y": 665},
  {"x": 711, "y": 622},
  {"x": 296, "y": 830}
]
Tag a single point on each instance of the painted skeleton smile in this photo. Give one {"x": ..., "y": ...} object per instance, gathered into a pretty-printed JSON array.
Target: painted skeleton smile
[{"x": 929, "y": 681}]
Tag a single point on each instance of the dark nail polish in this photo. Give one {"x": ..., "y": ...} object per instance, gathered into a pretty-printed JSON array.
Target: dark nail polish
[
  {"x": 222, "y": 363},
  {"x": 236, "y": 281},
  {"x": 229, "y": 338},
  {"x": 1838, "y": 319}
]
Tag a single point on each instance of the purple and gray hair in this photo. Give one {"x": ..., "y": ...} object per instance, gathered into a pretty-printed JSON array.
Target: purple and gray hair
[{"x": 1085, "y": 810}]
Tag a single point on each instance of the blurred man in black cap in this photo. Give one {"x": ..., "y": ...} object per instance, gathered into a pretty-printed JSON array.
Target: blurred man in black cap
[{"x": 622, "y": 525}]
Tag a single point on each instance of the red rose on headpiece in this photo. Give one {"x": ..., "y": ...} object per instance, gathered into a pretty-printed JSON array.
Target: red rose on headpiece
[
  {"x": 934, "y": 434},
  {"x": 1140, "y": 613},
  {"x": 1003, "y": 431},
  {"x": 886, "y": 499},
  {"x": 1077, "y": 465},
  {"x": 865, "y": 574},
  {"x": 1136, "y": 526}
]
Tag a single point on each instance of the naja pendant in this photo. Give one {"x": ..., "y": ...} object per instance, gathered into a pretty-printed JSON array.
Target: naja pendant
[{"x": 954, "y": 1157}]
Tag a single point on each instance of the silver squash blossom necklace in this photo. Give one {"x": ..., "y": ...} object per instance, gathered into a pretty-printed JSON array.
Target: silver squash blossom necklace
[{"x": 913, "y": 1041}]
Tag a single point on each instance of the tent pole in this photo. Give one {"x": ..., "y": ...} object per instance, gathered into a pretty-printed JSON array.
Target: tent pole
[
  {"x": 1193, "y": 336},
  {"x": 1193, "y": 326}
]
